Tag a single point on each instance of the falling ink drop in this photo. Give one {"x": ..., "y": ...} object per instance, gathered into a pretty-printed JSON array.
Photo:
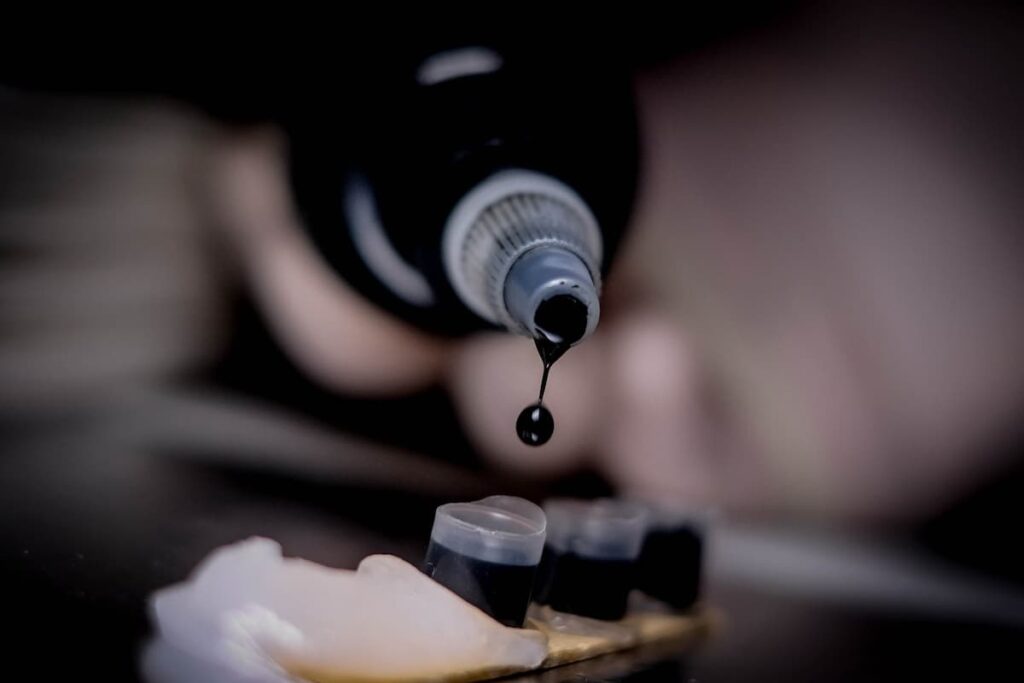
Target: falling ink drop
[
  {"x": 561, "y": 321},
  {"x": 535, "y": 425}
]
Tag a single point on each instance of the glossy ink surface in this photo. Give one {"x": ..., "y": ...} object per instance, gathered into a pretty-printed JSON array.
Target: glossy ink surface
[
  {"x": 590, "y": 587},
  {"x": 669, "y": 566},
  {"x": 535, "y": 425},
  {"x": 501, "y": 590},
  {"x": 561, "y": 320}
]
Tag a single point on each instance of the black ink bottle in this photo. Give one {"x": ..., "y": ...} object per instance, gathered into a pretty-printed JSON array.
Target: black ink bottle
[{"x": 460, "y": 185}]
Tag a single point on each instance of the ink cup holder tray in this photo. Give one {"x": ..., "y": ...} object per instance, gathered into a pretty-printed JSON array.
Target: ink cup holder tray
[
  {"x": 646, "y": 630},
  {"x": 249, "y": 609},
  {"x": 573, "y": 639}
]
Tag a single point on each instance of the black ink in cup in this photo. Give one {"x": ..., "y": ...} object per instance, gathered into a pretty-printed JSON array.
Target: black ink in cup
[
  {"x": 589, "y": 562},
  {"x": 487, "y": 553},
  {"x": 673, "y": 553}
]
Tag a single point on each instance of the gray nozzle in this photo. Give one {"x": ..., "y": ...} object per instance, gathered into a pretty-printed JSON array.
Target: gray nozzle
[
  {"x": 540, "y": 290},
  {"x": 523, "y": 250}
]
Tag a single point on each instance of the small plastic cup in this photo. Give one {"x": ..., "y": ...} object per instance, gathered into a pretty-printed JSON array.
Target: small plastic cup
[
  {"x": 671, "y": 562},
  {"x": 487, "y": 553},
  {"x": 589, "y": 562}
]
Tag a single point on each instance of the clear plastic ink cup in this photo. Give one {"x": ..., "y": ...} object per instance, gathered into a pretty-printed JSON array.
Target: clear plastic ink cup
[
  {"x": 590, "y": 557},
  {"x": 672, "y": 558},
  {"x": 487, "y": 552}
]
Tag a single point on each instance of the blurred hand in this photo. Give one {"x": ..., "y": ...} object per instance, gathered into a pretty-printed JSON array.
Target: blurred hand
[{"x": 817, "y": 309}]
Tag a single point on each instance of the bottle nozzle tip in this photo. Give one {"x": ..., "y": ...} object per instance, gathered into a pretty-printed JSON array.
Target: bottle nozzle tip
[
  {"x": 562, "y": 319},
  {"x": 550, "y": 294}
]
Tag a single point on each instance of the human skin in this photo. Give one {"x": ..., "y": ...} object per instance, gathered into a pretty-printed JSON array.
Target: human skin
[{"x": 818, "y": 308}]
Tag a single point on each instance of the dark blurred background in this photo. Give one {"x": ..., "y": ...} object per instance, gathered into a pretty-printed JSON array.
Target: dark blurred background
[{"x": 149, "y": 410}]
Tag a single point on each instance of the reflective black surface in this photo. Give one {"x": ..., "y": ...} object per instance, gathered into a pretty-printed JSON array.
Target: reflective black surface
[
  {"x": 500, "y": 590},
  {"x": 669, "y": 566},
  {"x": 562, "y": 319},
  {"x": 535, "y": 425},
  {"x": 591, "y": 587}
]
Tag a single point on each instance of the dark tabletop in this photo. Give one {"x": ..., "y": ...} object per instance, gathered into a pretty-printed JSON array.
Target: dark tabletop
[{"x": 95, "y": 515}]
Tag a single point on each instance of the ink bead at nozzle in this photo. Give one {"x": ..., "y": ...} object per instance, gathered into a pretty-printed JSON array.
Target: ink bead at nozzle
[
  {"x": 589, "y": 562},
  {"x": 669, "y": 568},
  {"x": 551, "y": 294},
  {"x": 487, "y": 553}
]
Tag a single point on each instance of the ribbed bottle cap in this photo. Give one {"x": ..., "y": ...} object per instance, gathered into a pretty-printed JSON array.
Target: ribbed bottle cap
[{"x": 504, "y": 218}]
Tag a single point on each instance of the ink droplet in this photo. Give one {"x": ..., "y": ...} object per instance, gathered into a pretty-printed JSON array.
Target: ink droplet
[
  {"x": 561, "y": 321},
  {"x": 535, "y": 425}
]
